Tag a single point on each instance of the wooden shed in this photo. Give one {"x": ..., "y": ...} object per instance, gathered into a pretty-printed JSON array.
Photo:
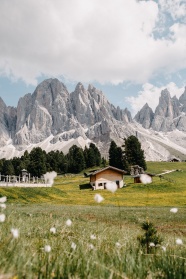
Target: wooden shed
[{"x": 100, "y": 178}]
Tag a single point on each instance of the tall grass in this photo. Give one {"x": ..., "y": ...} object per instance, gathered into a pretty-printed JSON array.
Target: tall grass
[{"x": 115, "y": 253}]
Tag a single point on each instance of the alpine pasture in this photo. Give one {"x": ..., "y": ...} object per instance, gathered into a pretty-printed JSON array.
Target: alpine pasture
[{"x": 63, "y": 232}]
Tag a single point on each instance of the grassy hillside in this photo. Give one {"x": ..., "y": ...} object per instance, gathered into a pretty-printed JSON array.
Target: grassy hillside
[{"x": 74, "y": 190}]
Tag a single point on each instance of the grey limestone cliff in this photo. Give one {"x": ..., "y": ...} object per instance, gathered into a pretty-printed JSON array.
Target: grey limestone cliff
[
  {"x": 145, "y": 116},
  {"x": 52, "y": 110}
]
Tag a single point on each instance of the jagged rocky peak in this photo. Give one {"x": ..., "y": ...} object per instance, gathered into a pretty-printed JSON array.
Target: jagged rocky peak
[
  {"x": 145, "y": 116},
  {"x": 7, "y": 122},
  {"x": 123, "y": 115},
  {"x": 97, "y": 95},
  {"x": 49, "y": 90},
  {"x": 2, "y": 105},
  {"x": 45, "y": 111},
  {"x": 8, "y": 116},
  {"x": 167, "y": 109},
  {"x": 165, "y": 106},
  {"x": 24, "y": 108},
  {"x": 182, "y": 100},
  {"x": 81, "y": 106}
]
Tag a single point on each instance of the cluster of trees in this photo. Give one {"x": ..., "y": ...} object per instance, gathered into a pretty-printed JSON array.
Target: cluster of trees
[
  {"x": 129, "y": 154},
  {"x": 38, "y": 162}
]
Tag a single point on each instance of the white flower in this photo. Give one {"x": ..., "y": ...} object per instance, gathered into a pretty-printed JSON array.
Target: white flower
[
  {"x": 145, "y": 178},
  {"x": 163, "y": 248},
  {"x": 118, "y": 244},
  {"x": 3, "y": 199},
  {"x": 47, "y": 248},
  {"x": 91, "y": 246},
  {"x": 68, "y": 223},
  {"x": 111, "y": 186},
  {"x": 98, "y": 198},
  {"x": 2, "y": 217},
  {"x": 151, "y": 244},
  {"x": 73, "y": 246},
  {"x": 93, "y": 236},
  {"x": 174, "y": 210},
  {"x": 179, "y": 241},
  {"x": 53, "y": 230},
  {"x": 3, "y": 205},
  {"x": 15, "y": 233}
]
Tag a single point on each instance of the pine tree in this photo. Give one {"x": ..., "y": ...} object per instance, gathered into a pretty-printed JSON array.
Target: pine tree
[
  {"x": 8, "y": 168},
  {"x": 133, "y": 154},
  {"x": 115, "y": 156},
  {"x": 112, "y": 153},
  {"x": 37, "y": 165},
  {"x": 76, "y": 161},
  {"x": 97, "y": 154},
  {"x": 150, "y": 238}
]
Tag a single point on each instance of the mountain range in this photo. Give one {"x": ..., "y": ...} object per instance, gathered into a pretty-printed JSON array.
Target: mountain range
[{"x": 54, "y": 119}]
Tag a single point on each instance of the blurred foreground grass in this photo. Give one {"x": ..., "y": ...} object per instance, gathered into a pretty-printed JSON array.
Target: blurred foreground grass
[{"x": 100, "y": 243}]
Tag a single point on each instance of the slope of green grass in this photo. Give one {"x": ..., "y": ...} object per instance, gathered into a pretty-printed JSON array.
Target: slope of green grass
[{"x": 74, "y": 190}]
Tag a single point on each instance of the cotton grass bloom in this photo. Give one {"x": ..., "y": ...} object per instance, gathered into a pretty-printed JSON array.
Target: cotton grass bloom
[
  {"x": 174, "y": 210},
  {"x": 118, "y": 245},
  {"x": 68, "y": 223},
  {"x": 179, "y": 241},
  {"x": 111, "y": 186},
  {"x": 145, "y": 178},
  {"x": 15, "y": 233},
  {"x": 3, "y": 199},
  {"x": 47, "y": 248},
  {"x": 53, "y": 230},
  {"x": 163, "y": 248},
  {"x": 73, "y": 246},
  {"x": 91, "y": 246},
  {"x": 98, "y": 198},
  {"x": 93, "y": 236},
  {"x": 2, "y": 205},
  {"x": 2, "y": 217}
]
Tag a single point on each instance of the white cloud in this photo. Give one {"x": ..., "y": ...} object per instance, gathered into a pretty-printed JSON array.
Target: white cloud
[
  {"x": 150, "y": 94},
  {"x": 86, "y": 40}
]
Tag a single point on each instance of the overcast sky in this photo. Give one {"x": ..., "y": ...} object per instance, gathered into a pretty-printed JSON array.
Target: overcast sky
[{"x": 131, "y": 50}]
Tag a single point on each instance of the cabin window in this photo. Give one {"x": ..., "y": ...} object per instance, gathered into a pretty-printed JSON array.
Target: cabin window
[
  {"x": 93, "y": 184},
  {"x": 100, "y": 184}
]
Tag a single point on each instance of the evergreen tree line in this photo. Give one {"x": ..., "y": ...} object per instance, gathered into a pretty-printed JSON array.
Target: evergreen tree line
[
  {"x": 127, "y": 155},
  {"x": 38, "y": 162}
]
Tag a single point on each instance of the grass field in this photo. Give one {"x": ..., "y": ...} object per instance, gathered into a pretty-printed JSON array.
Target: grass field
[
  {"x": 102, "y": 239},
  {"x": 75, "y": 190}
]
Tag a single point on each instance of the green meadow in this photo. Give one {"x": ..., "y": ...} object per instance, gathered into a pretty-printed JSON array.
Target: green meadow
[
  {"x": 170, "y": 190},
  {"x": 101, "y": 241}
]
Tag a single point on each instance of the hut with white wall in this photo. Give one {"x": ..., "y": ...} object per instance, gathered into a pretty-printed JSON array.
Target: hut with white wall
[{"x": 100, "y": 178}]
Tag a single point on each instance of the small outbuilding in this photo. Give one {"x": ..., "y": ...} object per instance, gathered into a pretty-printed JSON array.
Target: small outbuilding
[
  {"x": 174, "y": 159},
  {"x": 100, "y": 178}
]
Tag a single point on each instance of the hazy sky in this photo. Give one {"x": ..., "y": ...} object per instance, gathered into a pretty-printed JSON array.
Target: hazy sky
[{"x": 131, "y": 50}]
